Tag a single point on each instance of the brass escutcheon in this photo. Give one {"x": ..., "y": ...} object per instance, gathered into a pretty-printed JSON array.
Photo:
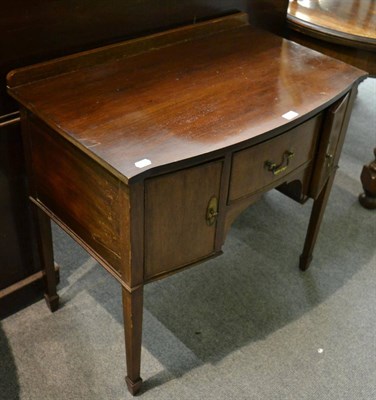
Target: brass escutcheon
[{"x": 212, "y": 211}]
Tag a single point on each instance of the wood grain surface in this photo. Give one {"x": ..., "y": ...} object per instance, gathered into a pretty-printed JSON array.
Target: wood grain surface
[
  {"x": 354, "y": 20},
  {"x": 187, "y": 99},
  {"x": 134, "y": 152}
]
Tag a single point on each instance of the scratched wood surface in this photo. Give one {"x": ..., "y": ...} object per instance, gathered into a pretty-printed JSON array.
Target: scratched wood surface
[{"x": 188, "y": 98}]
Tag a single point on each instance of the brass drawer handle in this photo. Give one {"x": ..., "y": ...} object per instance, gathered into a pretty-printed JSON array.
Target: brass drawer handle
[
  {"x": 212, "y": 211},
  {"x": 277, "y": 169}
]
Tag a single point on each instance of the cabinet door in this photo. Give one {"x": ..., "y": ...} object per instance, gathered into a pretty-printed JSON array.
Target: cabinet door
[
  {"x": 329, "y": 149},
  {"x": 176, "y": 229}
]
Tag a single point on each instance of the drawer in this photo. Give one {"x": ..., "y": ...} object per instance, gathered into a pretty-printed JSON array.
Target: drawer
[{"x": 259, "y": 167}]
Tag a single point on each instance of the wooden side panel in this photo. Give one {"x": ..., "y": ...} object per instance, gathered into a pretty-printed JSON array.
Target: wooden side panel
[
  {"x": 76, "y": 190},
  {"x": 333, "y": 129},
  {"x": 176, "y": 232}
]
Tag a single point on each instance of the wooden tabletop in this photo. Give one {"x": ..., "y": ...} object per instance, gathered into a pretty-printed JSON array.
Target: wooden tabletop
[
  {"x": 182, "y": 97},
  {"x": 351, "y": 20}
]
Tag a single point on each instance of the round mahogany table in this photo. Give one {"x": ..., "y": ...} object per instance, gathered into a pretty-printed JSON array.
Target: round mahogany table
[{"x": 344, "y": 29}]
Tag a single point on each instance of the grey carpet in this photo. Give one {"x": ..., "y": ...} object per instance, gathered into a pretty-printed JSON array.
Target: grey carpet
[{"x": 246, "y": 325}]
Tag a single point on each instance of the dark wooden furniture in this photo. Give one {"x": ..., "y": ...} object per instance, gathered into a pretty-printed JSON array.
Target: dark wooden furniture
[
  {"x": 343, "y": 29},
  {"x": 146, "y": 151},
  {"x": 37, "y": 31},
  {"x": 368, "y": 178},
  {"x": 19, "y": 261}
]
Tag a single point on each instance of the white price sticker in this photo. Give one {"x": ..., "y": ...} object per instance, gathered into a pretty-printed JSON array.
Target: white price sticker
[
  {"x": 290, "y": 115},
  {"x": 142, "y": 163}
]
